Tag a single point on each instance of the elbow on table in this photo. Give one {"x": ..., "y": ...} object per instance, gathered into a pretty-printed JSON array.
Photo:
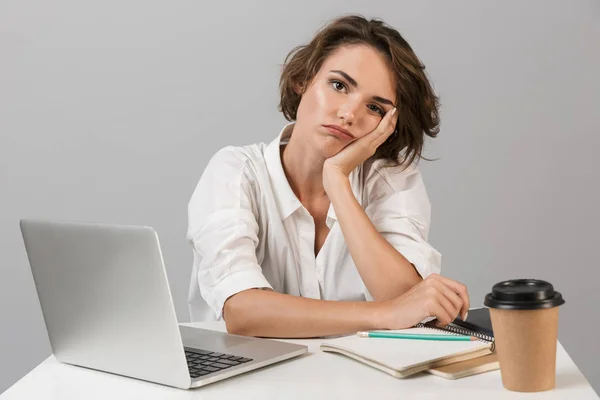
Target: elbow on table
[{"x": 237, "y": 316}]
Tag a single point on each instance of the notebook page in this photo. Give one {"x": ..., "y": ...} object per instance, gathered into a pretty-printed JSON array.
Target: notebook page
[{"x": 400, "y": 354}]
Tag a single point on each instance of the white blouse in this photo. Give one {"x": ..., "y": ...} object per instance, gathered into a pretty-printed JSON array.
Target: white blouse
[{"x": 249, "y": 230}]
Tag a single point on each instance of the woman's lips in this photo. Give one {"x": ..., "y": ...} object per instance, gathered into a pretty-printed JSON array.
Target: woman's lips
[{"x": 339, "y": 132}]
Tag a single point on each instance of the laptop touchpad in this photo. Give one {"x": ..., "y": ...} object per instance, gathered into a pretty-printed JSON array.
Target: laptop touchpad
[{"x": 210, "y": 340}]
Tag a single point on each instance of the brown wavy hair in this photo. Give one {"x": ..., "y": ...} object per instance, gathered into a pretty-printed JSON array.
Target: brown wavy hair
[{"x": 418, "y": 105}]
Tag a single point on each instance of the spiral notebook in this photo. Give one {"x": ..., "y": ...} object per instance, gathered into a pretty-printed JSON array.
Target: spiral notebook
[
  {"x": 479, "y": 324},
  {"x": 403, "y": 357}
]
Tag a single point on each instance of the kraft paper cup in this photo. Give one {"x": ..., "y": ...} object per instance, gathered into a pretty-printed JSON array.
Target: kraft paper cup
[{"x": 524, "y": 314}]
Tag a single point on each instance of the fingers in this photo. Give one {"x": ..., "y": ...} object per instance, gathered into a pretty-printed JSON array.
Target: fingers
[
  {"x": 441, "y": 308},
  {"x": 456, "y": 287},
  {"x": 436, "y": 296},
  {"x": 453, "y": 303},
  {"x": 385, "y": 128}
]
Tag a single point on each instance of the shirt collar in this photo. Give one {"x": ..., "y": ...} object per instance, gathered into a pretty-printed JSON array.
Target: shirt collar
[{"x": 286, "y": 200}]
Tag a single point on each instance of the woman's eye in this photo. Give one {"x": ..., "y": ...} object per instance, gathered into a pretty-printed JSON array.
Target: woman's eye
[
  {"x": 375, "y": 108},
  {"x": 337, "y": 85}
]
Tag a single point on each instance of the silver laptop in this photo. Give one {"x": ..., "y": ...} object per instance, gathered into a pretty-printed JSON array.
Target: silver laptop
[{"x": 106, "y": 303}]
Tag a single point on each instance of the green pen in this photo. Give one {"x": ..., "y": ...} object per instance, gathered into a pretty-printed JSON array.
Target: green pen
[{"x": 417, "y": 336}]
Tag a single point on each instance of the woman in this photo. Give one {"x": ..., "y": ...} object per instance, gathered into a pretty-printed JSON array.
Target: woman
[{"x": 292, "y": 237}]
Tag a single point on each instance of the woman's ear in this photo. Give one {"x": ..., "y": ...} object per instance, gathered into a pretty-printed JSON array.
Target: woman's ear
[{"x": 299, "y": 88}]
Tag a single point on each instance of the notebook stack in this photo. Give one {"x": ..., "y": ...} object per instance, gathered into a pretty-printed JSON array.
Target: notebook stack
[{"x": 445, "y": 358}]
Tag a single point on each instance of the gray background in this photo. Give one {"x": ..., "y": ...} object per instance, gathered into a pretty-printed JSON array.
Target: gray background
[{"x": 110, "y": 110}]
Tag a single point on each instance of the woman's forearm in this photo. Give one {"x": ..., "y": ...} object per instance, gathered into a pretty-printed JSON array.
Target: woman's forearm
[
  {"x": 265, "y": 313},
  {"x": 384, "y": 270}
]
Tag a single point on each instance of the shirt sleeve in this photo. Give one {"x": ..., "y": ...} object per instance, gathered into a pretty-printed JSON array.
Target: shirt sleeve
[
  {"x": 399, "y": 208},
  {"x": 223, "y": 231}
]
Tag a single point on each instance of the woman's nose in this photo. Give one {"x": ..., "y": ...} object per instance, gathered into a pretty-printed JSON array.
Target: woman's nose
[{"x": 348, "y": 111}]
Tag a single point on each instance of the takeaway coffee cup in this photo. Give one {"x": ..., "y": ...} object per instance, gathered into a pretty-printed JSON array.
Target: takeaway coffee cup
[{"x": 524, "y": 315}]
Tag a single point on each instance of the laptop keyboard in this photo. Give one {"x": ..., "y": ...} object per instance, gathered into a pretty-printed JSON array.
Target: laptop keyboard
[{"x": 204, "y": 362}]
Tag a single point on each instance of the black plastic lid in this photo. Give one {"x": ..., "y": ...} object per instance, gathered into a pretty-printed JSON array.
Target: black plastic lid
[{"x": 523, "y": 294}]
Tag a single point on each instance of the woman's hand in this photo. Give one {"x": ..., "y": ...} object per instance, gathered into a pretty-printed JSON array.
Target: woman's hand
[
  {"x": 435, "y": 296},
  {"x": 359, "y": 150}
]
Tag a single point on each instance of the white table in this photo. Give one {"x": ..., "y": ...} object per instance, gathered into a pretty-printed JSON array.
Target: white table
[{"x": 314, "y": 375}]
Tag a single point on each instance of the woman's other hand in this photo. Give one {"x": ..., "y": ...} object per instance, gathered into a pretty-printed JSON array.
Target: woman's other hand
[{"x": 435, "y": 296}]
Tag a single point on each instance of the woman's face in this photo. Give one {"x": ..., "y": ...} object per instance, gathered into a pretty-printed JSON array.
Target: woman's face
[{"x": 352, "y": 91}]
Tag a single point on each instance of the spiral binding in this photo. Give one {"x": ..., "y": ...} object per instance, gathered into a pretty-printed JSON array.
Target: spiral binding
[{"x": 457, "y": 330}]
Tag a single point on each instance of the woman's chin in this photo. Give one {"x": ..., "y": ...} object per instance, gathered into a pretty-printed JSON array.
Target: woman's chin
[
  {"x": 326, "y": 147},
  {"x": 331, "y": 146}
]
